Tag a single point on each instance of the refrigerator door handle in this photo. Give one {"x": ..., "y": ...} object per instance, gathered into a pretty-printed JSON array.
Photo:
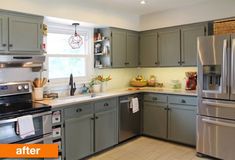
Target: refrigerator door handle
[
  {"x": 219, "y": 104},
  {"x": 218, "y": 123},
  {"x": 232, "y": 67},
  {"x": 225, "y": 68}
]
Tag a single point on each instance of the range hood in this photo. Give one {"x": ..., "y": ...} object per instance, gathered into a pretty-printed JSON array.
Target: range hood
[{"x": 24, "y": 61}]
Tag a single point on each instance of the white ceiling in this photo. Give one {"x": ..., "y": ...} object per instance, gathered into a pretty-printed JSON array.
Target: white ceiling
[{"x": 134, "y": 7}]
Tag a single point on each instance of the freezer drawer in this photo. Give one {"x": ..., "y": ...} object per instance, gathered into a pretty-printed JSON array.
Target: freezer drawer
[
  {"x": 215, "y": 137},
  {"x": 217, "y": 108}
]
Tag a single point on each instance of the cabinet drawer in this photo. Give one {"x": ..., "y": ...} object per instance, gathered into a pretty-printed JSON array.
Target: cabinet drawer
[
  {"x": 56, "y": 132},
  {"x": 155, "y": 97},
  {"x": 78, "y": 110},
  {"x": 56, "y": 117},
  {"x": 106, "y": 104},
  {"x": 185, "y": 100}
]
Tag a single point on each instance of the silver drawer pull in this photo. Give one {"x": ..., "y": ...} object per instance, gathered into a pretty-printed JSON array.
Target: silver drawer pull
[
  {"x": 217, "y": 104},
  {"x": 218, "y": 123},
  {"x": 183, "y": 101}
]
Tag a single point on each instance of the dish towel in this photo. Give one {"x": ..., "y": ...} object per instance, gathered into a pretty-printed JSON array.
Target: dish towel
[
  {"x": 25, "y": 126},
  {"x": 134, "y": 104}
]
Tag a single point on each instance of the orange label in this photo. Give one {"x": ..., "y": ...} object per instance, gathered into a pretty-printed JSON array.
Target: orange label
[{"x": 28, "y": 150}]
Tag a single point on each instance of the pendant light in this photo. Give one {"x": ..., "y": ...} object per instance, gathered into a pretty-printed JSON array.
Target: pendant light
[{"x": 75, "y": 40}]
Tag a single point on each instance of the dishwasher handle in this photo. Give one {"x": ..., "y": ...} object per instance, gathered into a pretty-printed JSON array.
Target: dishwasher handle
[{"x": 125, "y": 101}]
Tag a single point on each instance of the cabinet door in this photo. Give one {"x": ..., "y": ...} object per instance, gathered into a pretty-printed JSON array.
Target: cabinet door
[
  {"x": 182, "y": 123},
  {"x": 118, "y": 47},
  {"x": 79, "y": 137},
  {"x": 3, "y": 33},
  {"x": 155, "y": 119},
  {"x": 189, "y": 36},
  {"x": 25, "y": 34},
  {"x": 169, "y": 47},
  {"x": 132, "y": 49},
  {"x": 148, "y": 49},
  {"x": 105, "y": 129}
]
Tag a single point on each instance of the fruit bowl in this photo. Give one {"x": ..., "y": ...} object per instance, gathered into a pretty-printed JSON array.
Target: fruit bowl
[{"x": 135, "y": 83}]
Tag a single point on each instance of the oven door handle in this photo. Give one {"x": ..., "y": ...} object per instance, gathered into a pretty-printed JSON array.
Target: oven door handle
[
  {"x": 225, "y": 124},
  {"x": 40, "y": 140},
  {"x": 34, "y": 116}
]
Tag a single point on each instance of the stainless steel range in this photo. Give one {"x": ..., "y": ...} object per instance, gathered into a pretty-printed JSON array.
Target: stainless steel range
[
  {"x": 216, "y": 102},
  {"x": 15, "y": 102}
]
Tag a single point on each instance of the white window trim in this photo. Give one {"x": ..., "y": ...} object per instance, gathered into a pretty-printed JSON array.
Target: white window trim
[{"x": 58, "y": 28}]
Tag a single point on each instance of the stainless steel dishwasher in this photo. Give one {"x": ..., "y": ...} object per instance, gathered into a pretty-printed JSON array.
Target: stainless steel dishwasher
[{"x": 129, "y": 122}]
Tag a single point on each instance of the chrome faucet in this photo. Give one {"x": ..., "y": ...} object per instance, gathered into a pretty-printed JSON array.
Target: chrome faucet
[{"x": 72, "y": 85}]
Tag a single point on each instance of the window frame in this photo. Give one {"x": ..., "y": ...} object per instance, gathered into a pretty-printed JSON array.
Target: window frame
[{"x": 89, "y": 58}]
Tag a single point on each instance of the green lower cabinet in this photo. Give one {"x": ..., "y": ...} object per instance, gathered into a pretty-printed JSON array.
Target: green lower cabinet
[
  {"x": 155, "y": 119},
  {"x": 79, "y": 137},
  {"x": 182, "y": 123},
  {"x": 105, "y": 129}
]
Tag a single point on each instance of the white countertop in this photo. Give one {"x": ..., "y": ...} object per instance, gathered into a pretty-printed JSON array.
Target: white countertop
[{"x": 60, "y": 102}]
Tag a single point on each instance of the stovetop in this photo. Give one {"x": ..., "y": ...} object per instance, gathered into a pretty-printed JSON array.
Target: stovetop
[{"x": 19, "y": 105}]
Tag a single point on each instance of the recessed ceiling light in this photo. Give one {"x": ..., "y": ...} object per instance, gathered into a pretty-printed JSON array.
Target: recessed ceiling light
[{"x": 143, "y": 2}]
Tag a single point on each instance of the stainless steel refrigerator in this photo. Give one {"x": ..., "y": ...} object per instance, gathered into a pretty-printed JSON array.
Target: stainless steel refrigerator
[{"x": 216, "y": 96}]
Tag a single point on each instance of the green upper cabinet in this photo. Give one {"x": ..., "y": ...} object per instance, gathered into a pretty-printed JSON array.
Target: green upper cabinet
[
  {"x": 3, "y": 33},
  {"x": 125, "y": 48},
  {"x": 189, "y": 36},
  {"x": 118, "y": 47},
  {"x": 25, "y": 34},
  {"x": 132, "y": 51},
  {"x": 169, "y": 47},
  {"x": 148, "y": 49},
  {"x": 20, "y": 33}
]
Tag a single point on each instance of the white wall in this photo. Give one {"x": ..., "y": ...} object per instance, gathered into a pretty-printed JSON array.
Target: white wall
[
  {"x": 209, "y": 10},
  {"x": 74, "y": 10}
]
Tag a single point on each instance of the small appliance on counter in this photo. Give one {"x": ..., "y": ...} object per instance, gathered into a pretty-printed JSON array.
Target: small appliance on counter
[{"x": 191, "y": 81}]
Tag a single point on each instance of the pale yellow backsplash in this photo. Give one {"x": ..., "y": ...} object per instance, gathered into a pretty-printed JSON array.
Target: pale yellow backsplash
[
  {"x": 121, "y": 77},
  {"x": 165, "y": 75}
]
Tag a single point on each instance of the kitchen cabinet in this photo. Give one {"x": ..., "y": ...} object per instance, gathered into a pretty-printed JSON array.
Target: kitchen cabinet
[
  {"x": 125, "y": 48},
  {"x": 189, "y": 34},
  {"x": 155, "y": 115},
  {"x": 118, "y": 47},
  {"x": 79, "y": 131},
  {"x": 132, "y": 49},
  {"x": 106, "y": 133},
  {"x": 20, "y": 33},
  {"x": 169, "y": 47},
  {"x": 148, "y": 49},
  {"x": 170, "y": 117},
  {"x": 182, "y": 119},
  {"x": 90, "y": 128},
  {"x": 3, "y": 32},
  {"x": 102, "y": 48},
  {"x": 58, "y": 130}
]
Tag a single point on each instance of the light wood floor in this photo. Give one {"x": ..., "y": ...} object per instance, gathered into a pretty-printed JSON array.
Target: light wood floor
[{"x": 144, "y": 148}]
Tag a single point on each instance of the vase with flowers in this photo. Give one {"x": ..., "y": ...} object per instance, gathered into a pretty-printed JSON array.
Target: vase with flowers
[{"x": 100, "y": 83}]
